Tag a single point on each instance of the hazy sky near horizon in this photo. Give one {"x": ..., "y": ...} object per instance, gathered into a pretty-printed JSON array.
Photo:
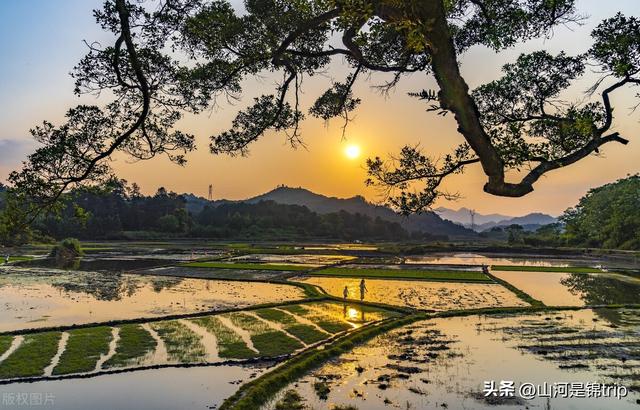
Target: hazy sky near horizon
[{"x": 42, "y": 40}]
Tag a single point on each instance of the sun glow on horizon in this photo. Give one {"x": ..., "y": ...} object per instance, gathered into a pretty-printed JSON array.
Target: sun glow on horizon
[{"x": 352, "y": 151}]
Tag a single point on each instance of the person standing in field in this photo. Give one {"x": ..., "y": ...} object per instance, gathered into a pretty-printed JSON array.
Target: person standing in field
[
  {"x": 345, "y": 293},
  {"x": 363, "y": 289}
]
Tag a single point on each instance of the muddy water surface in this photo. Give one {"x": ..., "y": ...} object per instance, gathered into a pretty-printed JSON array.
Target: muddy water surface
[
  {"x": 421, "y": 294},
  {"x": 524, "y": 260},
  {"x": 575, "y": 289},
  {"x": 197, "y": 388},
  {"x": 444, "y": 363},
  {"x": 309, "y": 260},
  {"x": 44, "y": 297}
]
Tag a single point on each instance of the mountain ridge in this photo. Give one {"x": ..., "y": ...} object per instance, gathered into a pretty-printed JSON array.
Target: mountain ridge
[
  {"x": 462, "y": 216},
  {"x": 428, "y": 222}
]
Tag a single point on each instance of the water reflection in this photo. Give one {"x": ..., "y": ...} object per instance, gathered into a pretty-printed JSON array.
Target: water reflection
[
  {"x": 351, "y": 314},
  {"x": 523, "y": 260},
  {"x": 421, "y": 294},
  {"x": 443, "y": 363},
  {"x": 48, "y": 297},
  {"x": 602, "y": 290},
  {"x": 575, "y": 289},
  {"x": 160, "y": 389},
  {"x": 113, "y": 264}
]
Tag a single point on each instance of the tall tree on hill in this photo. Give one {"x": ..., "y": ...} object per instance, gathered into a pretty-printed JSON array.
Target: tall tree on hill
[{"x": 183, "y": 54}]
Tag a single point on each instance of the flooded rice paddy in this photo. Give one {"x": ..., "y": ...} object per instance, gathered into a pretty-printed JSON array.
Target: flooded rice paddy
[
  {"x": 239, "y": 335},
  {"x": 444, "y": 363},
  {"x": 575, "y": 289},
  {"x": 31, "y": 297},
  {"x": 421, "y": 294},
  {"x": 307, "y": 260},
  {"x": 149, "y": 359},
  {"x": 212, "y": 273},
  {"x": 155, "y": 389},
  {"x": 413, "y": 266},
  {"x": 605, "y": 262}
]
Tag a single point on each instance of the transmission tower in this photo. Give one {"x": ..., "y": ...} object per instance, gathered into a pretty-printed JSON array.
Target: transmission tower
[
  {"x": 472, "y": 213},
  {"x": 210, "y": 192}
]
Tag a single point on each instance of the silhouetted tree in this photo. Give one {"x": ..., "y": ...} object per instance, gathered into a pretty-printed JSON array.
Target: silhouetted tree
[{"x": 183, "y": 54}]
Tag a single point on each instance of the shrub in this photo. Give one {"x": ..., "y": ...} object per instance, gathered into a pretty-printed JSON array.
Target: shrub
[{"x": 66, "y": 249}]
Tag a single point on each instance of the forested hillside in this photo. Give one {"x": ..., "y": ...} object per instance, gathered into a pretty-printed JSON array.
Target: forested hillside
[
  {"x": 117, "y": 210},
  {"x": 608, "y": 216}
]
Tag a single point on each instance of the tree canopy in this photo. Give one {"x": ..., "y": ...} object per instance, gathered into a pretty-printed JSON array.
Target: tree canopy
[
  {"x": 117, "y": 210},
  {"x": 173, "y": 57},
  {"x": 608, "y": 216}
]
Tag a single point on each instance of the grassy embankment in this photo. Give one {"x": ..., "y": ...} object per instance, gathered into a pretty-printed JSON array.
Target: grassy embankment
[
  {"x": 418, "y": 274},
  {"x": 246, "y": 266}
]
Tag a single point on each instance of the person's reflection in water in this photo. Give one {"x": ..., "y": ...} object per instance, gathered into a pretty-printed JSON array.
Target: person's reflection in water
[
  {"x": 362, "y": 315},
  {"x": 344, "y": 310}
]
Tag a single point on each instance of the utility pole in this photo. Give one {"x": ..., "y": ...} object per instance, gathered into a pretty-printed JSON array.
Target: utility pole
[{"x": 210, "y": 192}]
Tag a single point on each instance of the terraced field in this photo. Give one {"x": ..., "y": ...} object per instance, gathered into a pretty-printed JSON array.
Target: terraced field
[
  {"x": 260, "y": 333},
  {"x": 329, "y": 354}
]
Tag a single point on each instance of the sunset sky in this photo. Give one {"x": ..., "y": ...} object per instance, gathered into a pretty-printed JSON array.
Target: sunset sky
[{"x": 42, "y": 41}]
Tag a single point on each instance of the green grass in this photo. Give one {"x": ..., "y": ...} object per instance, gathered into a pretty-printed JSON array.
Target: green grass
[
  {"x": 306, "y": 333},
  {"x": 133, "y": 345},
  {"x": 32, "y": 357},
  {"x": 296, "y": 310},
  {"x": 230, "y": 344},
  {"x": 182, "y": 344},
  {"x": 5, "y": 343},
  {"x": 290, "y": 401},
  {"x": 421, "y": 274},
  {"x": 245, "y": 266},
  {"x": 19, "y": 258},
  {"x": 269, "y": 342},
  {"x": 83, "y": 350},
  {"x": 327, "y": 322},
  {"x": 560, "y": 269}
]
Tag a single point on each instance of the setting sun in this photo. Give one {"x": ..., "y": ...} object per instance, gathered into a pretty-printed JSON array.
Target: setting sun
[{"x": 352, "y": 151}]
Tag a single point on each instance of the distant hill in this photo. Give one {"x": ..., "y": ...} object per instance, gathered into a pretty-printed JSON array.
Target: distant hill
[
  {"x": 427, "y": 222},
  {"x": 462, "y": 216},
  {"x": 529, "y": 222}
]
